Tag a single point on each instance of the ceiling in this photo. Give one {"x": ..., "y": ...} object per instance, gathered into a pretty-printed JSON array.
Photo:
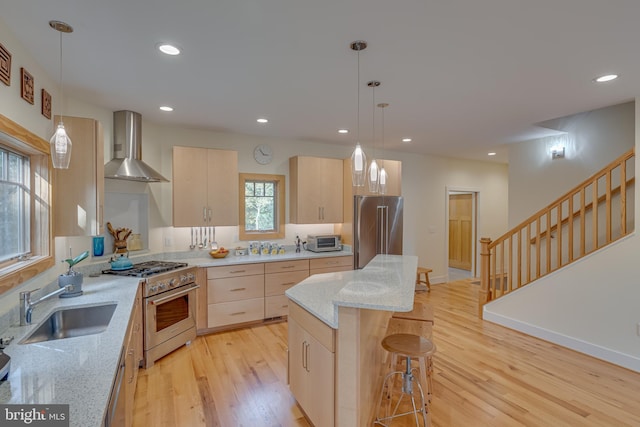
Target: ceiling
[{"x": 461, "y": 77}]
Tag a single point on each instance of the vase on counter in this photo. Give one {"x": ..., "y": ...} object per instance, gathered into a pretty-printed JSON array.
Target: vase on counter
[{"x": 135, "y": 243}]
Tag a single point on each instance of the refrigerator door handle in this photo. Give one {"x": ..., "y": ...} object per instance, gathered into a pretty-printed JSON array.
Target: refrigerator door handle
[{"x": 383, "y": 229}]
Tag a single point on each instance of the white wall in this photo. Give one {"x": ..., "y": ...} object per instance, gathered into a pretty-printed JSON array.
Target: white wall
[
  {"x": 11, "y": 104},
  {"x": 595, "y": 138},
  {"x": 590, "y": 306}
]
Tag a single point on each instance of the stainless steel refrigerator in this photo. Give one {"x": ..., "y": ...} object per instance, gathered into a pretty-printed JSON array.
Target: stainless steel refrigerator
[{"x": 377, "y": 227}]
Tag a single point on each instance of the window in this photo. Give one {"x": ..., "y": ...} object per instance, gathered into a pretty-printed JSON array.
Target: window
[
  {"x": 25, "y": 212},
  {"x": 261, "y": 206},
  {"x": 14, "y": 205}
]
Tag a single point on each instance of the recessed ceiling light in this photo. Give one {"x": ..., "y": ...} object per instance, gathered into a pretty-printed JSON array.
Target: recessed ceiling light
[
  {"x": 262, "y": 121},
  {"x": 491, "y": 153},
  {"x": 343, "y": 130},
  {"x": 605, "y": 78},
  {"x": 406, "y": 139},
  {"x": 166, "y": 108},
  {"x": 168, "y": 49}
]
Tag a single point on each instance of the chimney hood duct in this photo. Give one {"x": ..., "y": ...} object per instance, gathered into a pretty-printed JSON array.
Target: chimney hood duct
[{"x": 127, "y": 161}]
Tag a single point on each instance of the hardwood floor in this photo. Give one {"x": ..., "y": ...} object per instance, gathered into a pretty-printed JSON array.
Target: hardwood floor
[{"x": 484, "y": 375}]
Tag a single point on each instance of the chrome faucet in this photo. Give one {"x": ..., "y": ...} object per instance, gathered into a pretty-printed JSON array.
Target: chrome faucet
[{"x": 26, "y": 305}]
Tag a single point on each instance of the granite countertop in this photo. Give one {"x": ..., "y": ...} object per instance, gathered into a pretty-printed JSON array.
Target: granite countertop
[
  {"x": 386, "y": 283},
  {"x": 77, "y": 371},
  {"x": 253, "y": 259}
]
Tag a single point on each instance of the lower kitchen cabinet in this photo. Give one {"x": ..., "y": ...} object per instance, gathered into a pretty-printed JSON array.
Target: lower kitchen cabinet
[
  {"x": 330, "y": 264},
  {"x": 242, "y": 293},
  {"x": 235, "y": 294},
  {"x": 280, "y": 276},
  {"x": 312, "y": 368}
]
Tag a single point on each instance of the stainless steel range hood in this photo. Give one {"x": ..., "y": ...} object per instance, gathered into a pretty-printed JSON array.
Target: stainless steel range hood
[{"x": 127, "y": 161}]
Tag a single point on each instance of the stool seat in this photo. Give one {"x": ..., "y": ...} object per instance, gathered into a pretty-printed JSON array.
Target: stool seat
[
  {"x": 420, "y": 311},
  {"x": 419, "y": 281},
  {"x": 408, "y": 345}
]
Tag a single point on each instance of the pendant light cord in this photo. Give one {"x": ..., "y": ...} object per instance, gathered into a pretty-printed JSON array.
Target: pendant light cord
[
  {"x": 61, "y": 97},
  {"x": 358, "y": 107}
]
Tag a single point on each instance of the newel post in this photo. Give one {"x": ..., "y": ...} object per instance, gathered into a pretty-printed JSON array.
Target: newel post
[{"x": 485, "y": 262}]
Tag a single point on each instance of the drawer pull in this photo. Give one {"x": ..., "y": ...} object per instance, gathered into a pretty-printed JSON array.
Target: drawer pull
[
  {"x": 287, "y": 266},
  {"x": 332, "y": 262},
  {"x": 284, "y": 306},
  {"x": 238, "y": 313},
  {"x": 237, "y": 271},
  {"x": 288, "y": 283},
  {"x": 237, "y": 289}
]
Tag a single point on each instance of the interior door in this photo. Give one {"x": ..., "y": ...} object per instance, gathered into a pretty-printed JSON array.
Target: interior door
[{"x": 460, "y": 231}]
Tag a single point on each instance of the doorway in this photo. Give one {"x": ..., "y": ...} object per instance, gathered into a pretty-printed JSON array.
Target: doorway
[{"x": 462, "y": 226}]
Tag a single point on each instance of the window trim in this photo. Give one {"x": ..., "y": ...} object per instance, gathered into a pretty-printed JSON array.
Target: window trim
[
  {"x": 280, "y": 203},
  {"x": 25, "y": 142}
]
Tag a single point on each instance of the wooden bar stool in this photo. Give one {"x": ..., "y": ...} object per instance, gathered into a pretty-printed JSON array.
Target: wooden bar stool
[
  {"x": 423, "y": 285},
  {"x": 407, "y": 346}
]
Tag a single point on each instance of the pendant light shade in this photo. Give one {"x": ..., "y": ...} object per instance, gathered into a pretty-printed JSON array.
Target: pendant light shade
[
  {"x": 358, "y": 158},
  {"x": 60, "y": 148},
  {"x": 372, "y": 176},
  {"x": 358, "y": 166},
  {"x": 60, "y": 142}
]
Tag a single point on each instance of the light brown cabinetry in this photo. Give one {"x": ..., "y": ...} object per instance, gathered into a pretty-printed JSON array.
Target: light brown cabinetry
[
  {"x": 330, "y": 264},
  {"x": 280, "y": 276},
  {"x": 235, "y": 294},
  {"x": 241, "y": 293},
  {"x": 79, "y": 190},
  {"x": 312, "y": 366},
  {"x": 133, "y": 357},
  {"x": 316, "y": 190},
  {"x": 205, "y": 190}
]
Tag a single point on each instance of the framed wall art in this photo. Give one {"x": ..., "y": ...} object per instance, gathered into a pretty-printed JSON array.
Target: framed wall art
[
  {"x": 5, "y": 66},
  {"x": 46, "y": 104},
  {"x": 26, "y": 86}
]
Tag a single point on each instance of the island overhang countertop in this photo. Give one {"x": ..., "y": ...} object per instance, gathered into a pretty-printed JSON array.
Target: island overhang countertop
[{"x": 386, "y": 283}]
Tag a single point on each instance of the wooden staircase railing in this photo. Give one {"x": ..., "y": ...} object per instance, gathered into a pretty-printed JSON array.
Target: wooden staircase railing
[{"x": 585, "y": 219}]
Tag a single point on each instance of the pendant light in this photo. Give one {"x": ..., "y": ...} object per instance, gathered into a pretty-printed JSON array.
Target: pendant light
[
  {"x": 383, "y": 177},
  {"x": 358, "y": 158},
  {"x": 373, "y": 172},
  {"x": 60, "y": 142}
]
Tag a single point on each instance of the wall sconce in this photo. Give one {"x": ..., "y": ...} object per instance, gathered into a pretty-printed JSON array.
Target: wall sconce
[{"x": 557, "y": 152}]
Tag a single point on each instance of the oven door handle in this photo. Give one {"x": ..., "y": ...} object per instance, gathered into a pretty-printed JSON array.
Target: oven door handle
[{"x": 172, "y": 296}]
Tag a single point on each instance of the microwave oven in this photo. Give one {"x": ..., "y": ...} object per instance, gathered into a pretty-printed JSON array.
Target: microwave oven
[{"x": 323, "y": 243}]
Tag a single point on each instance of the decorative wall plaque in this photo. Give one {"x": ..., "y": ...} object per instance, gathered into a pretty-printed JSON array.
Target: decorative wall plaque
[
  {"x": 5, "y": 66},
  {"x": 46, "y": 104},
  {"x": 26, "y": 86}
]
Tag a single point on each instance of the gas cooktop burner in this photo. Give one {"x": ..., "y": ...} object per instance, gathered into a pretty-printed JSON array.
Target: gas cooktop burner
[{"x": 148, "y": 268}]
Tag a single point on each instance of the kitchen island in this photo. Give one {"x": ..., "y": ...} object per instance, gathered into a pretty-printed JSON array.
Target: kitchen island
[{"x": 336, "y": 324}]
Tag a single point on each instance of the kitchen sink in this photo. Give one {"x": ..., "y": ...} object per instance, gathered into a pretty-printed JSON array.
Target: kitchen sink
[{"x": 72, "y": 322}]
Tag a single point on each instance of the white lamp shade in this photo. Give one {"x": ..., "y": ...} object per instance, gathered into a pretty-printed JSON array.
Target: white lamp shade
[
  {"x": 60, "y": 148},
  {"x": 382, "y": 181},
  {"x": 358, "y": 166},
  {"x": 373, "y": 176}
]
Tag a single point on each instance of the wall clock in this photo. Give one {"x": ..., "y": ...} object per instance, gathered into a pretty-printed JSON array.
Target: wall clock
[{"x": 263, "y": 154}]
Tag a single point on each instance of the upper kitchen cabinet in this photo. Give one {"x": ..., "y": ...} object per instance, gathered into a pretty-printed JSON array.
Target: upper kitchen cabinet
[
  {"x": 205, "y": 189},
  {"x": 79, "y": 190},
  {"x": 316, "y": 190},
  {"x": 394, "y": 180}
]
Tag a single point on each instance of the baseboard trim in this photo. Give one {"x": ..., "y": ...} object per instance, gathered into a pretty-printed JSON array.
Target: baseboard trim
[{"x": 593, "y": 350}]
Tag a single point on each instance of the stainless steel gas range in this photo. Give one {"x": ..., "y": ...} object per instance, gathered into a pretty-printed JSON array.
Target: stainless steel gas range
[{"x": 169, "y": 298}]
